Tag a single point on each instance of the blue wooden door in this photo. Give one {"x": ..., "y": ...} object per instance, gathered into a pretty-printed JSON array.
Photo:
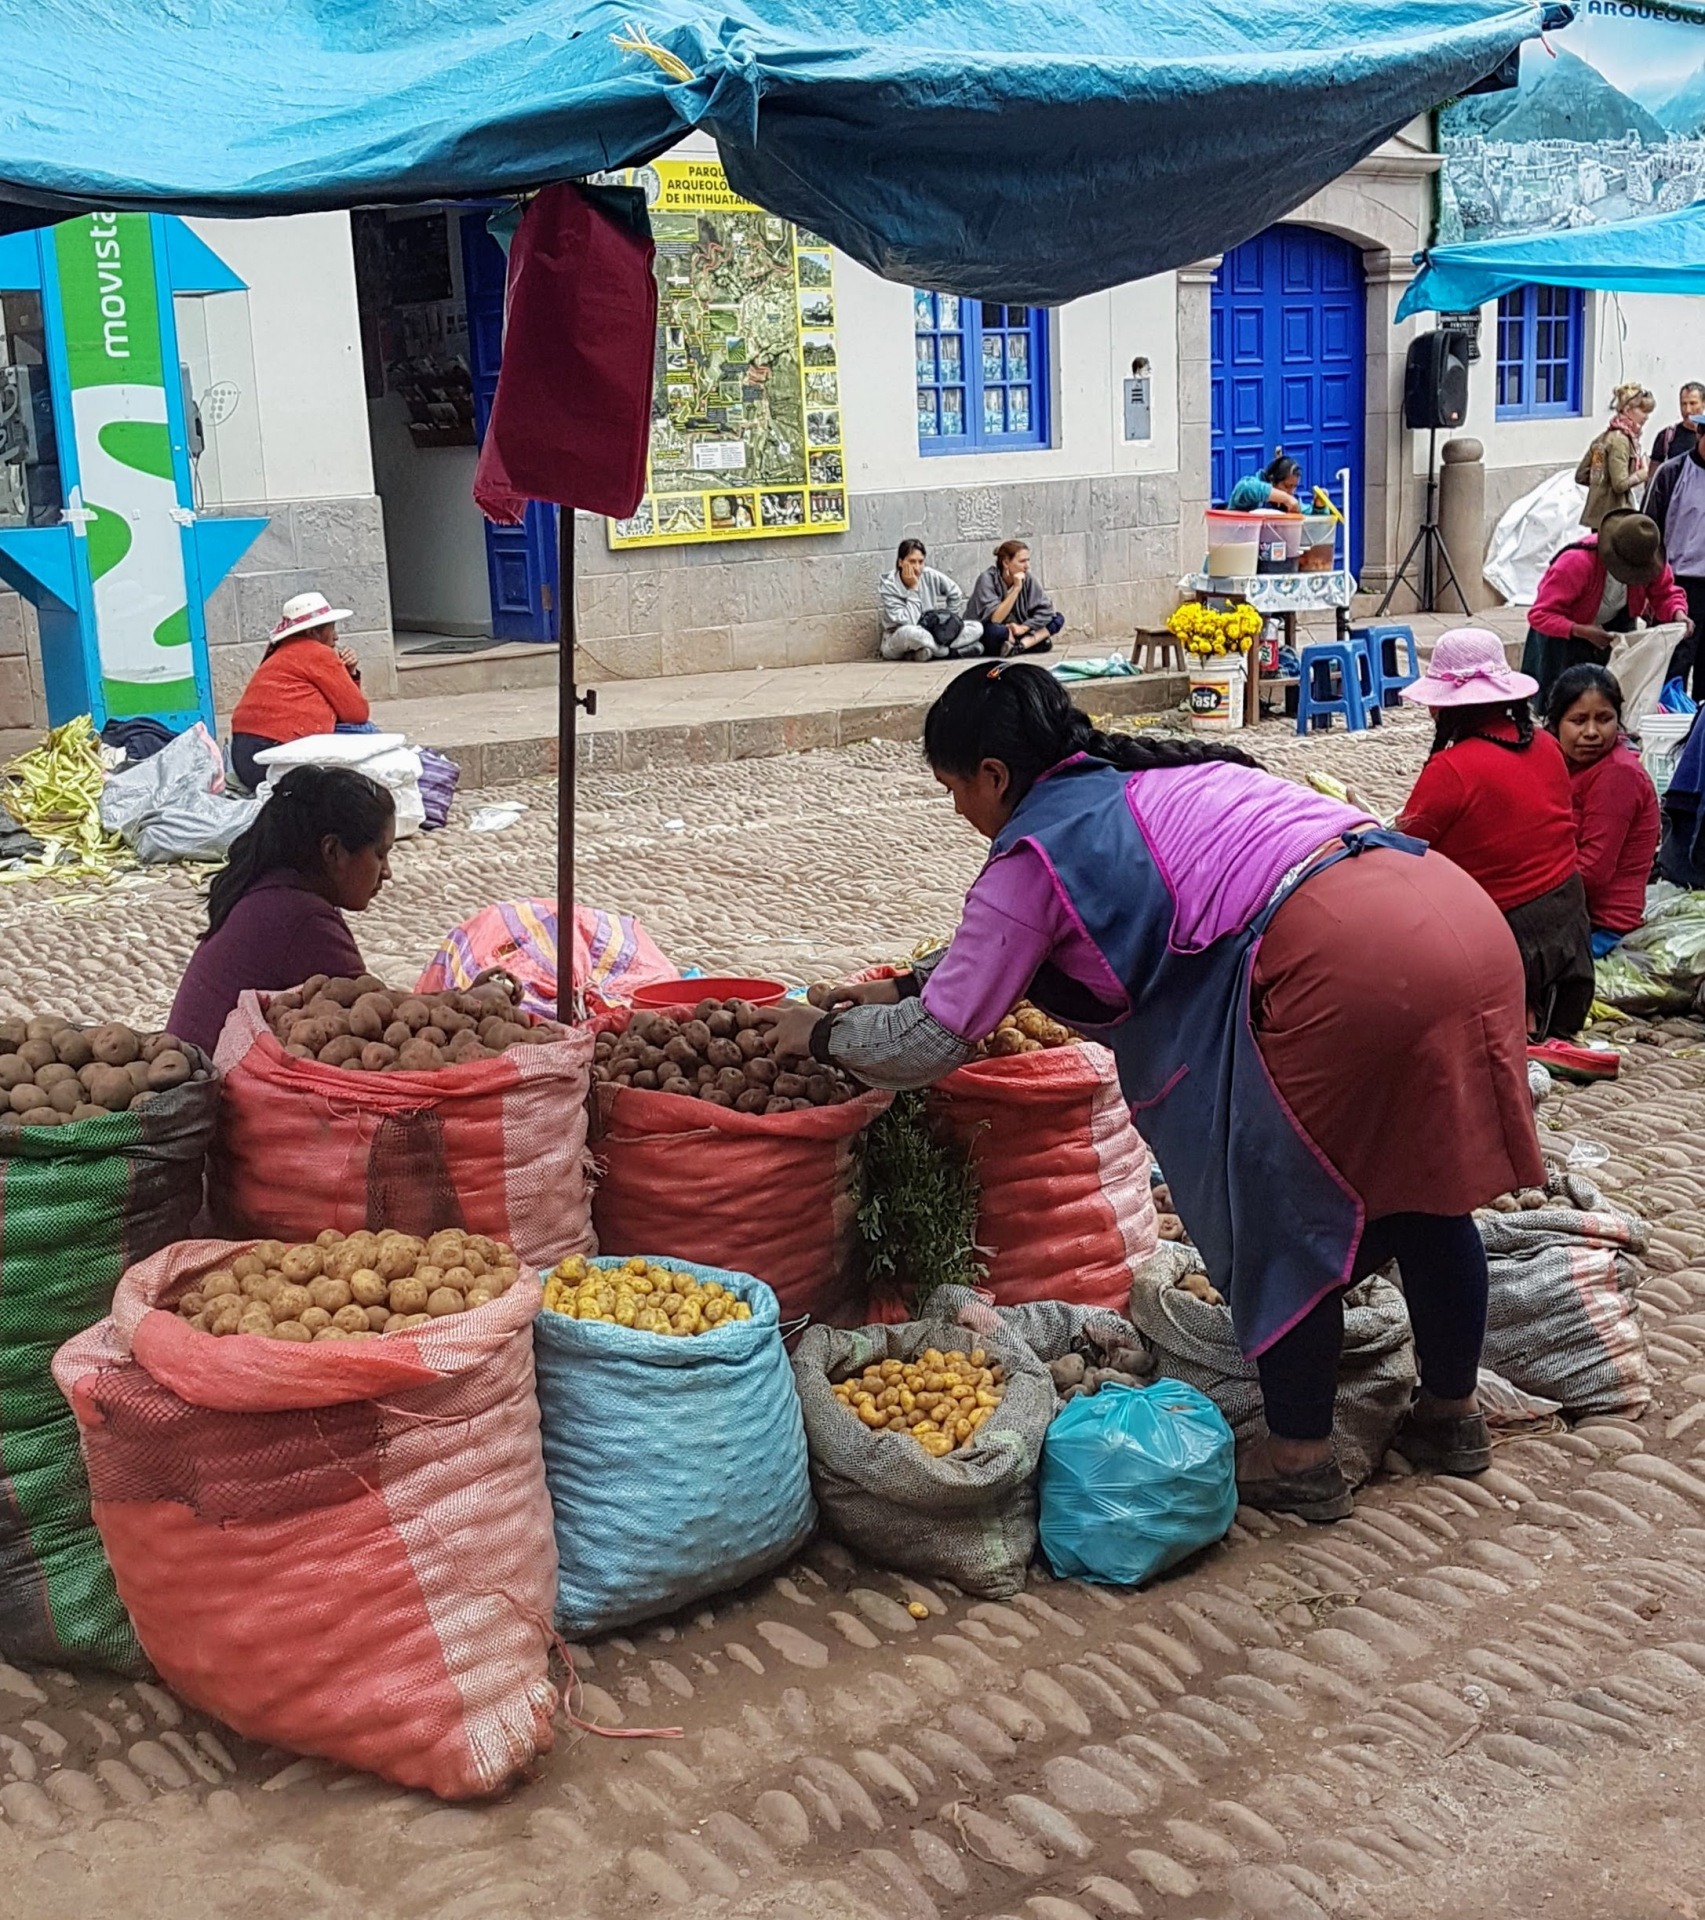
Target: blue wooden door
[
  {"x": 1289, "y": 368},
  {"x": 521, "y": 562}
]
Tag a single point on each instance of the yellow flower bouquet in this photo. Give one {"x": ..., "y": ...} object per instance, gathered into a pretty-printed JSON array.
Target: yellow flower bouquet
[{"x": 1213, "y": 630}]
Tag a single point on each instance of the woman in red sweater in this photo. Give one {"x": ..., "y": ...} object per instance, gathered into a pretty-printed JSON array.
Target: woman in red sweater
[
  {"x": 1617, "y": 821},
  {"x": 1494, "y": 797},
  {"x": 305, "y": 684}
]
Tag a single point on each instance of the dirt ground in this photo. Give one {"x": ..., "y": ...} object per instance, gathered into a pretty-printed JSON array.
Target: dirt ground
[{"x": 1472, "y": 1698}]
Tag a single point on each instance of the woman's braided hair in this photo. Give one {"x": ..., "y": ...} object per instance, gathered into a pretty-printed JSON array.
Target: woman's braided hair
[{"x": 1021, "y": 715}]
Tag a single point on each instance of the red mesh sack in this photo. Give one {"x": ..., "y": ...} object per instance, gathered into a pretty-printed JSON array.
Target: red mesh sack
[
  {"x": 773, "y": 1195},
  {"x": 494, "y": 1146},
  {"x": 1067, "y": 1211},
  {"x": 340, "y": 1548}
]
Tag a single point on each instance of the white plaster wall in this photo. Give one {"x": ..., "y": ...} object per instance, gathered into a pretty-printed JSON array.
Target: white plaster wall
[
  {"x": 307, "y": 423},
  {"x": 434, "y": 535}
]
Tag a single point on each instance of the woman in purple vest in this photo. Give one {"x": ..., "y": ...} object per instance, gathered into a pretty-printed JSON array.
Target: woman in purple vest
[{"x": 1320, "y": 1027}]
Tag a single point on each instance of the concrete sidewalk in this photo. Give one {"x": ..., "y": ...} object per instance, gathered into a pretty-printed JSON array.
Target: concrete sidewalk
[{"x": 696, "y": 719}]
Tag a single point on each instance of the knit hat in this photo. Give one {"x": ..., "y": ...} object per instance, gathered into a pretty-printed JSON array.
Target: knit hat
[{"x": 1468, "y": 669}]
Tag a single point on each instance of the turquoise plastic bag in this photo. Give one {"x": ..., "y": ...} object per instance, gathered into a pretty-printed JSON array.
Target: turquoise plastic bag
[
  {"x": 676, "y": 1466},
  {"x": 1134, "y": 1479}
]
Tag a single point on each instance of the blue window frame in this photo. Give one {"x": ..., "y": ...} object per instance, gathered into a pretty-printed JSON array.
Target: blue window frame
[
  {"x": 982, "y": 374},
  {"x": 1540, "y": 336}
]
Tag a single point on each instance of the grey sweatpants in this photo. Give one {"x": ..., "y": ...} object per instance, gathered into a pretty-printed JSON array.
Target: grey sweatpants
[{"x": 914, "y": 643}]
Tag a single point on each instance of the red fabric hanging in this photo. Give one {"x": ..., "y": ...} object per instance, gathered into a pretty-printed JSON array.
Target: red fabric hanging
[{"x": 571, "y": 419}]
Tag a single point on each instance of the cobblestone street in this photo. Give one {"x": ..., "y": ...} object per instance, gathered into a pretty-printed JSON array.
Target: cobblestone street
[{"x": 1474, "y": 1697}]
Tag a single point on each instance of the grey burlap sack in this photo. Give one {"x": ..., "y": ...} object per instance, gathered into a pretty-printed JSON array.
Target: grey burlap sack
[
  {"x": 1560, "y": 1318},
  {"x": 1051, "y": 1329},
  {"x": 1192, "y": 1341},
  {"x": 970, "y": 1517}
]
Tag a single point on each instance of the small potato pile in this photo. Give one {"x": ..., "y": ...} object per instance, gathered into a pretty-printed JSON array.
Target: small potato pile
[
  {"x": 721, "y": 1056},
  {"x": 940, "y": 1399},
  {"x": 1026, "y": 1029},
  {"x": 1075, "y": 1374},
  {"x": 1530, "y": 1200},
  {"x": 53, "y": 1073},
  {"x": 364, "y": 1026},
  {"x": 354, "y": 1286},
  {"x": 643, "y": 1295}
]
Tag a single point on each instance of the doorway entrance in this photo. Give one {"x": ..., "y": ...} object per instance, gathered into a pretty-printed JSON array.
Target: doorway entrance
[{"x": 1288, "y": 336}]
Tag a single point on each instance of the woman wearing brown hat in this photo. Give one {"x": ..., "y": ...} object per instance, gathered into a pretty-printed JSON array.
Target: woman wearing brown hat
[{"x": 1596, "y": 587}]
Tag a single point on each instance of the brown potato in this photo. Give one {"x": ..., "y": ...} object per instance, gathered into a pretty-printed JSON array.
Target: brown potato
[
  {"x": 753, "y": 1100},
  {"x": 14, "y": 1072},
  {"x": 352, "y": 1319},
  {"x": 433, "y": 1036},
  {"x": 724, "y": 1053},
  {"x": 365, "y": 1023},
  {"x": 224, "y": 1318},
  {"x": 302, "y": 1264},
  {"x": 315, "y": 1319},
  {"x": 331, "y": 1333},
  {"x": 312, "y": 987},
  {"x": 645, "y": 1080},
  {"x": 745, "y": 1014},
  {"x": 85, "y": 1111},
  {"x": 137, "y": 1074},
  {"x": 376, "y": 1318},
  {"x": 344, "y": 992},
  {"x": 397, "y": 1034},
  {"x": 457, "y": 1279},
  {"x": 715, "y": 1097},
  {"x": 328, "y": 1239},
  {"x": 408, "y": 1296},
  {"x": 113, "y": 1045},
  {"x": 13, "y": 1033},
  {"x": 762, "y": 1071},
  {"x": 339, "y": 1052},
  {"x": 310, "y": 1036},
  {"x": 329, "y": 1293},
  {"x": 55, "y": 1071},
  {"x": 414, "y": 1013},
  {"x": 167, "y": 1070},
  {"x": 731, "y": 1081},
  {"x": 290, "y": 1301},
  {"x": 442, "y": 1301},
  {"x": 37, "y": 1054},
  {"x": 290, "y": 1330},
  {"x": 375, "y": 1056},
  {"x": 27, "y": 1096},
  {"x": 43, "y": 1117},
  {"x": 419, "y": 1057},
  {"x": 160, "y": 1043},
  {"x": 789, "y": 1086},
  {"x": 250, "y": 1265},
  {"x": 72, "y": 1046},
  {"x": 778, "y": 1106},
  {"x": 367, "y": 1288},
  {"x": 66, "y": 1097},
  {"x": 42, "y": 1027},
  {"x": 750, "y": 1043},
  {"x": 108, "y": 1087},
  {"x": 221, "y": 1281},
  {"x": 722, "y": 1024}
]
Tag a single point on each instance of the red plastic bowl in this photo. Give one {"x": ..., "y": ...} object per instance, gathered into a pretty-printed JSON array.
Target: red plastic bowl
[{"x": 663, "y": 994}]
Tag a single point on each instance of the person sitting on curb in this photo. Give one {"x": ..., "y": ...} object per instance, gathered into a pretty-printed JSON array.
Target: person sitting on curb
[
  {"x": 1596, "y": 587},
  {"x": 923, "y": 613},
  {"x": 1009, "y": 593}
]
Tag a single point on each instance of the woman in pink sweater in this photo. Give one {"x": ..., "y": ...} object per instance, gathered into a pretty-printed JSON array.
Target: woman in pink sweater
[{"x": 1604, "y": 581}]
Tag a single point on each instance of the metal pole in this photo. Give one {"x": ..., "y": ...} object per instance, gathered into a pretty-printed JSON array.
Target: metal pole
[{"x": 567, "y": 701}]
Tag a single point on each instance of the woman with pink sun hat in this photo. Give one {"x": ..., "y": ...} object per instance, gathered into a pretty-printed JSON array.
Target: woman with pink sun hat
[{"x": 1494, "y": 797}]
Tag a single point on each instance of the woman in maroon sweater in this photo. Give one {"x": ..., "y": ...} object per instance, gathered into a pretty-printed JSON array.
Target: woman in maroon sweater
[
  {"x": 318, "y": 849},
  {"x": 1617, "y": 821},
  {"x": 1494, "y": 797}
]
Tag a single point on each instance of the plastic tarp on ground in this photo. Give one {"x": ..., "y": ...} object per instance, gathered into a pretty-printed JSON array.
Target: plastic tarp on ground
[
  {"x": 1659, "y": 253},
  {"x": 1019, "y": 150}
]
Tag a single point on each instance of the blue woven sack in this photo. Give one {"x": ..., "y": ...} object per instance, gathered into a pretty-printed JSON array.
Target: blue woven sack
[
  {"x": 676, "y": 1465},
  {"x": 1133, "y": 1479}
]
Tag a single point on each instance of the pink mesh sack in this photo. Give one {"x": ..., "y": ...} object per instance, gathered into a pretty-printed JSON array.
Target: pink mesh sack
[
  {"x": 341, "y": 1548},
  {"x": 493, "y": 1146}
]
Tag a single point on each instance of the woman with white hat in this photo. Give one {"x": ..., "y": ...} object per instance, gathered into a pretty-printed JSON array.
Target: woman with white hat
[
  {"x": 1494, "y": 797},
  {"x": 305, "y": 684}
]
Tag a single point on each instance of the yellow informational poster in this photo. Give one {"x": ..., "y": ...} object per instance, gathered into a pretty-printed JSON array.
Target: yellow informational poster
[{"x": 746, "y": 416}]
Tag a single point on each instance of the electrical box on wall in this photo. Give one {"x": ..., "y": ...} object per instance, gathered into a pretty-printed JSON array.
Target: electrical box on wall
[{"x": 1139, "y": 410}]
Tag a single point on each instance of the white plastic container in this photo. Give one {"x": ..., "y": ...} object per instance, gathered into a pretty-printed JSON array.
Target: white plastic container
[
  {"x": 1662, "y": 737},
  {"x": 1234, "y": 544},
  {"x": 1217, "y": 691}
]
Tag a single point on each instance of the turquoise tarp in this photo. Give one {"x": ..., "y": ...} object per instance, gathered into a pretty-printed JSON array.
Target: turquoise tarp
[
  {"x": 1661, "y": 253},
  {"x": 1021, "y": 150}
]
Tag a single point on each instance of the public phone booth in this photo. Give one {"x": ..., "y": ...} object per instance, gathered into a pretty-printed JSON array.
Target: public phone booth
[{"x": 98, "y": 431}]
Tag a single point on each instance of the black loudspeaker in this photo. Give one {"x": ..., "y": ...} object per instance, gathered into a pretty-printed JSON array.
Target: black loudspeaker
[{"x": 1435, "y": 380}]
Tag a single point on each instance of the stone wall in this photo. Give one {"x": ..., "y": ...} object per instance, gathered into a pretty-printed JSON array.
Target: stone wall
[
  {"x": 337, "y": 546},
  {"x": 1106, "y": 549}
]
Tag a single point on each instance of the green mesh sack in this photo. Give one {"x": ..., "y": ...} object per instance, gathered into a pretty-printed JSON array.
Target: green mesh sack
[{"x": 78, "y": 1204}]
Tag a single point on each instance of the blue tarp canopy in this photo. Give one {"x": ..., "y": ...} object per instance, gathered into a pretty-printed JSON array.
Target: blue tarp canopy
[
  {"x": 1022, "y": 150},
  {"x": 1661, "y": 253}
]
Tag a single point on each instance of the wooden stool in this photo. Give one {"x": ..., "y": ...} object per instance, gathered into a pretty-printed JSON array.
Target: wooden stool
[{"x": 1157, "y": 653}]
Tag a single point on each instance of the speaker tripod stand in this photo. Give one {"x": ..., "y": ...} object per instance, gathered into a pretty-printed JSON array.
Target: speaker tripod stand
[{"x": 1428, "y": 546}]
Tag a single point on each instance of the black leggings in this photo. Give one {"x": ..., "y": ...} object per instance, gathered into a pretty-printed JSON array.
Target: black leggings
[
  {"x": 1443, "y": 1267},
  {"x": 244, "y": 747}
]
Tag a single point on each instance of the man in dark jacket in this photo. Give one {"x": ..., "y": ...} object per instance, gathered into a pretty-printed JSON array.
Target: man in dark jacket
[
  {"x": 1676, "y": 503},
  {"x": 1683, "y": 437}
]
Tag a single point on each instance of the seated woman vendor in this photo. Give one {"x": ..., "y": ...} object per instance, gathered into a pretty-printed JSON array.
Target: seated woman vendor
[
  {"x": 1617, "y": 822},
  {"x": 1278, "y": 484},
  {"x": 305, "y": 684},
  {"x": 1319, "y": 1026},
  {"x": 1494, "y": 797},
  {"x": 318, "y": 849}
]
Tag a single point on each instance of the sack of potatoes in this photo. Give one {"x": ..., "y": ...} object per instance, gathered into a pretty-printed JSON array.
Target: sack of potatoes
[
  {"x": 721, "y": 1054},
  {"x": 55, "y": 1073},
  {"x": 356, "y": 1286},
  {"x": 363, "y": 1026}
]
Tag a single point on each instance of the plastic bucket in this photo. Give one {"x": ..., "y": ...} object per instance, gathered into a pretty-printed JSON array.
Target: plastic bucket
[
  {"x": 1662, "y": 737},
  {"x": 1280, "y": 539},
  {"x": 1233, "y": 543},
  {"x": 1216, "y": 692}
]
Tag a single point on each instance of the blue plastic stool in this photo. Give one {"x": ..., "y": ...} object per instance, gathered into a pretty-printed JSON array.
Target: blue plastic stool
[
  {"x": 1387, "y": 646},
  {"x": 1337, "y": 677}
]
